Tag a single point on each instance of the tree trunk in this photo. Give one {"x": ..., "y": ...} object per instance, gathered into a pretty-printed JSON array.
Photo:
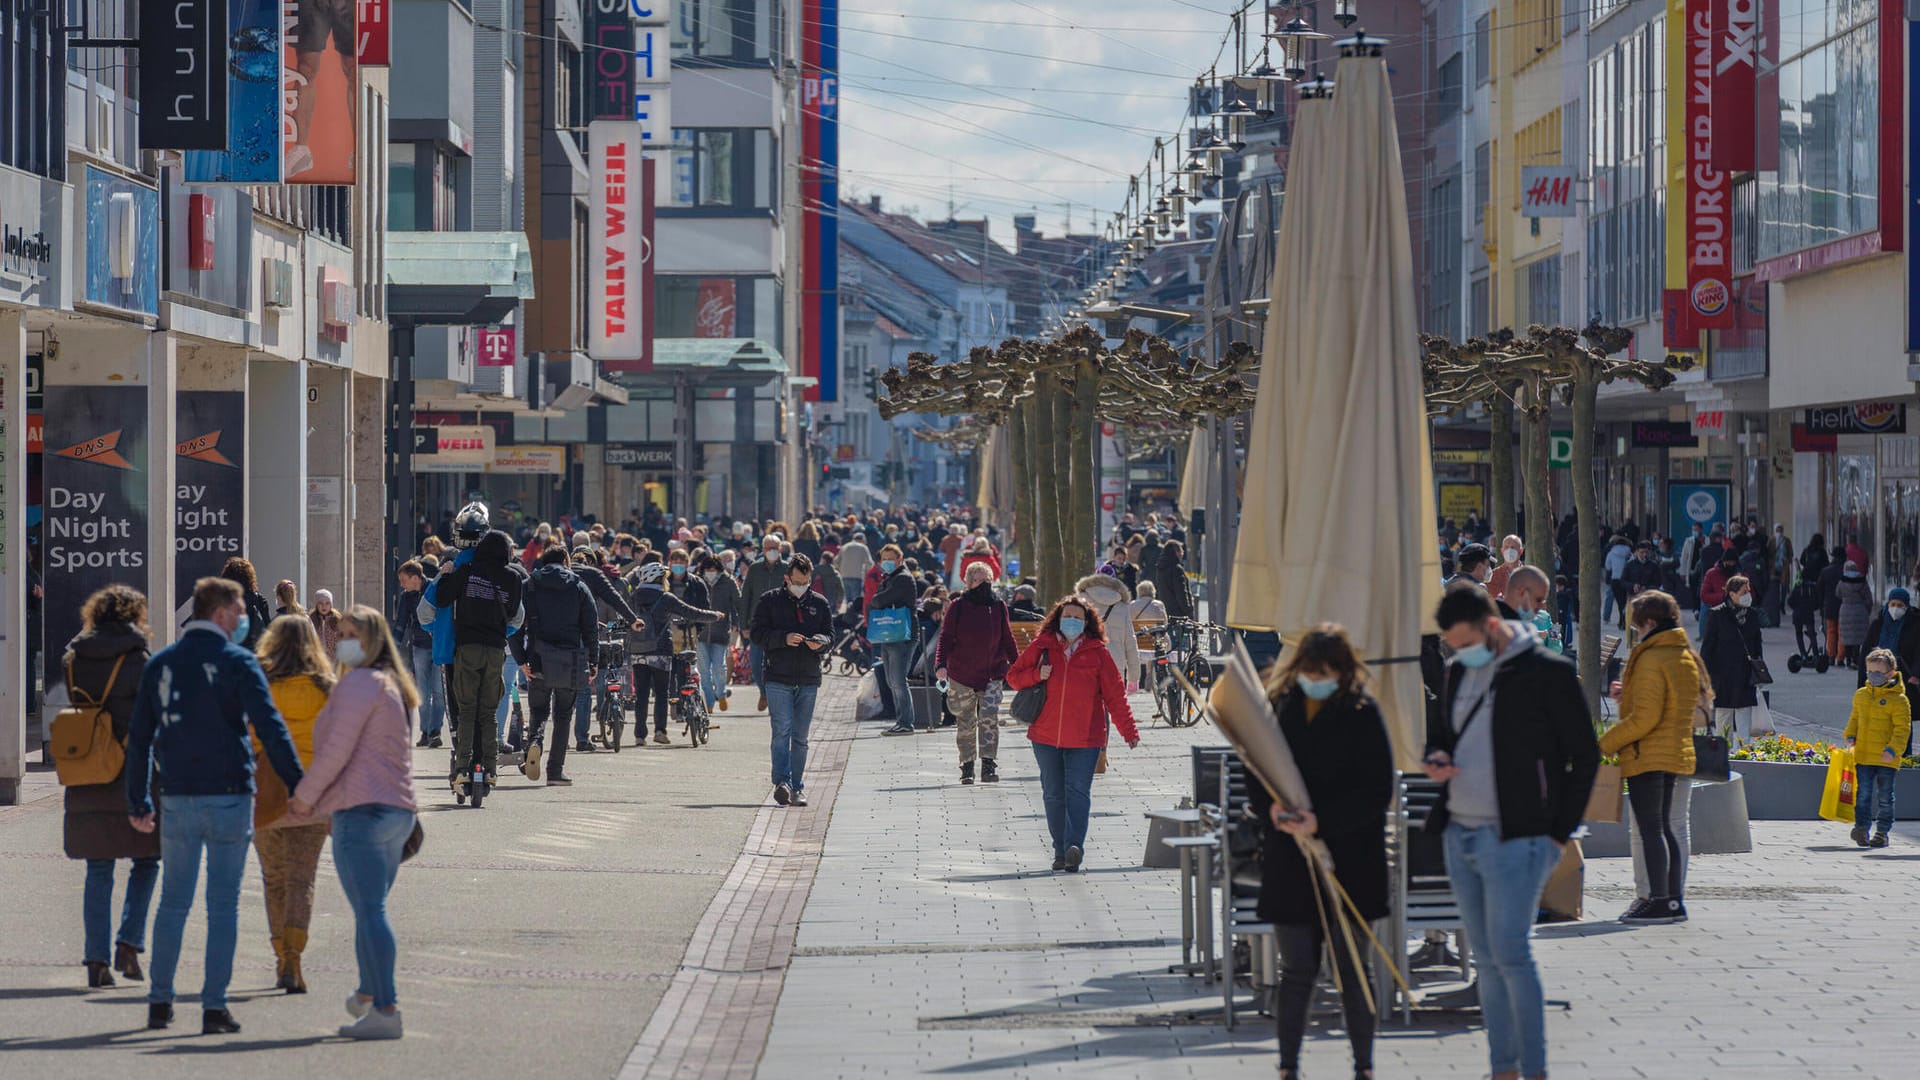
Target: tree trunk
[
  {"x": 1500, "y": 515},
  {"x": 1084, "y": 537},
  {"x": 1020, "y": 446},
  {"x": 1060, "y": 478},
  {"x": 1586, "y": 392},
  {"x": 1533, "y": 455}
]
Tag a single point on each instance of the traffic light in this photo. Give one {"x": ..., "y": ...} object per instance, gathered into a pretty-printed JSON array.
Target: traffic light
[{"x": 873, "y": 385}]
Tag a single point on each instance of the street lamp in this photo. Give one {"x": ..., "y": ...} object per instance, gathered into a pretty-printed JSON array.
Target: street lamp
[
  {"x": 1344, "y": 13},
  {"x": 1317, "y": 88}
]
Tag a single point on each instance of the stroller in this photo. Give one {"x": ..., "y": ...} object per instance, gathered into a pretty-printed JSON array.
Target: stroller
[
  {"x": 850, "y": 647},
  {"x": 1804, "y": 601}
]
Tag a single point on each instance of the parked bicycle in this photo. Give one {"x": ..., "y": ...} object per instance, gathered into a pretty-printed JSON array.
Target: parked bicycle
[{"x": 1182, "y": 645}]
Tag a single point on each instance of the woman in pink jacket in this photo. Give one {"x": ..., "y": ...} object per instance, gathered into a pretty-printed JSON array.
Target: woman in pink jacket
[
  {"x": 1084, "y": 690},
  {"x": 362, "y": 775}
]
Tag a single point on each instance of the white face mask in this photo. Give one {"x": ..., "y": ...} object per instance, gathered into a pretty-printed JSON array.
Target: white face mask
[
  {"x": 710, "y": 577},
  {"x": 350, "y": 653},
  {"x": 1896, "y": 611},
  {"x": 1511, "y": 554},
  {"x": 1744, "y": 600},
  {"x": 798, "y": 591}
]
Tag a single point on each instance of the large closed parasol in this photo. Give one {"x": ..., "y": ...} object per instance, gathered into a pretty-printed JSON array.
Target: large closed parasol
[{"x": 1339, "y": 508}]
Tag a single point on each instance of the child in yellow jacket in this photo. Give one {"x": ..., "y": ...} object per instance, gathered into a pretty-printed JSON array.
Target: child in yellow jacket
[{"x": 1877, "y": 730}]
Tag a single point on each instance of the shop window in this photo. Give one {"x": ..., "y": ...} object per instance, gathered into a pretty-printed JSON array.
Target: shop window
[{"x": 1827, "y": 183}]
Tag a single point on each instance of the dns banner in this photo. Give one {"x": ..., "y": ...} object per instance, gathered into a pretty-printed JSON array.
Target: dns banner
[{"x": 210, "y": 510}]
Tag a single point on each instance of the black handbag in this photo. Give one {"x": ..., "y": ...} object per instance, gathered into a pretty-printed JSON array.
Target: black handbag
[
  {"x": 1762, "y": 676},
  {"x": 1028, "y": 704},
  {"x": 1711, "y": 761}
]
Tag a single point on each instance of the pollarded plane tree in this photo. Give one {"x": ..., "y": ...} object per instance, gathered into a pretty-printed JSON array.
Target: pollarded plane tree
[
  {"x": 1052, "y": 395},
  {"x": 1548, "y": 364}
]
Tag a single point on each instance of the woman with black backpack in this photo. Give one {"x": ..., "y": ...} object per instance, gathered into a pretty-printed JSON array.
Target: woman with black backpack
[{"x": 104, "y": 664}]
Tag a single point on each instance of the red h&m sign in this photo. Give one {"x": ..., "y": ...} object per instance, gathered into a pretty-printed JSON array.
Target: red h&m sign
[
  {"x": 1546, "y": 191},
  {"x": 496, "y": 347},
  {"x": 1736, "y": 40},
  {"x": 375, "y": 48},
  {"x": 1709, "y": 209}
]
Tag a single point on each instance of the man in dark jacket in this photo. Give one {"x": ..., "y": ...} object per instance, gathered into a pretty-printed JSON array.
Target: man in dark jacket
[
  {"x": 763, "y": 576},
  {"x": 416, "y": 641},
  {"x": 1642, "y": 572},
  {"x": 562, "y": 632},
  {"x": 188, "y": 744},
  {"x": 723, "y": 596},
  {"x": 793, "y": 626},
  {"x": 1830, "y": 600},
  {"x": 1170, "y": 578},
  {"x": 651, "y": 650},
  {"x": 1515, "y": 747},
  {"x": 485, "y": 594}
]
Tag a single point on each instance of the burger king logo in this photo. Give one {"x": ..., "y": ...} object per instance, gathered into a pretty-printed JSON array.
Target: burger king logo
[
  {"x": 1710, "y": 296},
  {"x": 1876, "y": 416}
]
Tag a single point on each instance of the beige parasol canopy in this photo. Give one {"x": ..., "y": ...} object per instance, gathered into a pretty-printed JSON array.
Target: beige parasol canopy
[
  {"x": 996, "y": 479},
  {"x": 1339, "y": 495},
  {"x": 1201, "y": 475}
]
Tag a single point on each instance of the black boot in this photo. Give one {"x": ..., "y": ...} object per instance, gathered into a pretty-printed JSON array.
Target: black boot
[
  {"x": 218, "y": 1022},
  {"x": 989, "y": 772},
  {"x": 98, "y": 975},
  {"x": 966, "y": 773},
  {"x": 159, "y": 1014}
]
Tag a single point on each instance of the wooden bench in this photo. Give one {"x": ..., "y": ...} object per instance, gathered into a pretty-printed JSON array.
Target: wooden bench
[
  {"x": 1024, "y": 633},
  {"x": 1143, "y": 634}
]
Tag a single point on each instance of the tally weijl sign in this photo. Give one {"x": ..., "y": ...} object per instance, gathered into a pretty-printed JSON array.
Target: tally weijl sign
[{"x": 619, "y": 217}]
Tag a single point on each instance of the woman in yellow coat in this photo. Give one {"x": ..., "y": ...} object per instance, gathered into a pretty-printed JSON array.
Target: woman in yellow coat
[
  {"x": 300, "y": 678},
  {"x": 1660, "y": 693},
  {"x": 1877, "y": 729}
]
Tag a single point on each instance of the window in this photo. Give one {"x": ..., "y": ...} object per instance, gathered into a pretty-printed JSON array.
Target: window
[
  {"x": 569, "y": 89},
  {"x": 1479, "y": 299},
  {"x": 1536, "y": 29},
  {"x": 1446, "y": 90},
  {"x": 726, "y": 169},
  {"x": 1443, "y": 252},
  {"x": 1541, "y": 302},
  {"x": 716, "y": 307},
  {"x": 1482, "y": 50},
  {"x": 1626, "y": 210},
  {"x": 724, "y": 31},
  {"x": 400, "y": 188},
  {"x": 32, "y": 101},
  {"x": 1828, "y": 145},
  {"x": 1482, "y": 181}
]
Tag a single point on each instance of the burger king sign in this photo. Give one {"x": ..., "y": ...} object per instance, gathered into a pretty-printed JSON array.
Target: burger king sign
[{"x": 1709, "y": 210}]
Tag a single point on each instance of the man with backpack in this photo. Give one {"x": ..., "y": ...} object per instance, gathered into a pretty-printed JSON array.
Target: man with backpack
[{"x": 484, "y": 594}]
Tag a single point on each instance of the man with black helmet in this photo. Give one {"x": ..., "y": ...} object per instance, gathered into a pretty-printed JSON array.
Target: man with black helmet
[{"x": 484, "y": 595}]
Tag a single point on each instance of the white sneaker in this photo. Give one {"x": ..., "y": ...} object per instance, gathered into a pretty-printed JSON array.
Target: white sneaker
[
  {"x": 358, "y": 1006},
  {"x": 299, "y": 160},
  {"x": 374, "y": 1025}
]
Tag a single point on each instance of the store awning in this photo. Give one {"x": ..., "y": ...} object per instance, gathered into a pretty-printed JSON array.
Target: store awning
[
  {"x": 457, "y": 278},
  {"x": 750, "y": 356}
]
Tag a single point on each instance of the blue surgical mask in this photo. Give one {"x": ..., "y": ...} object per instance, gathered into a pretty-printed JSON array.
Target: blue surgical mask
[
  {"x": 240, "y": 629},
  {"x": 1478, "y": 655},
  {"x": 887, "y": 565},
  {"x": 1072, "y": 628},
  {"x": 678, "y": 569},
  {"x": 1525, "y": 613},
  {"x": 1317, "y": 689},
  {"x": 1878, "y": 678}
]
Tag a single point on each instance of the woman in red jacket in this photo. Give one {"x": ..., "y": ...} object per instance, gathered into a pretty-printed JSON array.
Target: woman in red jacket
[{"x": 1084, "y": 688}]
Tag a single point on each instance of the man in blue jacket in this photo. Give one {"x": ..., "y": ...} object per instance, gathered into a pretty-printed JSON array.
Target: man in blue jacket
[{"x": 187, "y": 743}]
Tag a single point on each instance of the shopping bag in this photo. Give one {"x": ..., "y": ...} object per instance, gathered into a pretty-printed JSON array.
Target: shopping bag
[
  {"x": 739, "y": 666},
  {"x": 1710, "y": 758},
  {"x": 1836, "y": 802},
  {"x": 1604, "y": 802},
  {"x": 1762, "y": 719},
  {"x": 889, "y": 625},
  {"x": 867, "y": 704},
  {"x": 1561, "y": 900}
]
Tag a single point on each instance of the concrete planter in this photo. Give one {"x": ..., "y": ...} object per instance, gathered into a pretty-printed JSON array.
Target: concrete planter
[
  {"x": 1779, "y": 791},
  {"x": 1717, "y": 824}
]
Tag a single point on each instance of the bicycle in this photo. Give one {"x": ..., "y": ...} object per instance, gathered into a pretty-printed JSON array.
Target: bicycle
[
  {"x": 1175, "y": 650},
  {"x": 615, "y": 697},
  {"x": 689, "y": 702}
]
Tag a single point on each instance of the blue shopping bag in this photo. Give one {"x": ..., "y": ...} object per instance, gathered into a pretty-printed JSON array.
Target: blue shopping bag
[{"x": 889, "y": 625}]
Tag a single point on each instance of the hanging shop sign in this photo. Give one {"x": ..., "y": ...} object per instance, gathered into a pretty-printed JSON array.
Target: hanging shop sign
[
  {"x": 318, "y": 89},
  {"x": 610, "y": 37},
  {"x": 1546, "y": 191},
  {"x": 1459, "y": 500},
  {"x": 641, "y": 456},
  {"x": 34, "y": 234},
  {"x": 1691, "y": 503},
  {"x": 458, "y": 448},
  {"x": 1664, "y": 433},
  {"x": 1710, "y": 422},
  {"x": 94, "y": 503},
  {"x": 1709, "y": 189},
  {"x": 619, "y": 334},
  {"x": 210, "y": 512},
  {"x": 529, "y": 460},
  {"x": 820, "y": 198},
  {"x": 1862, "y": 418},
  {"x": 1462, "y": 457},
  {"x": 376, "y": 37},
  {"x": 1735, "y": 31},
  {"x": 495, "y": 347},
  {"x": 251, "y": 153},
  {"x": 183, "y": 75}
]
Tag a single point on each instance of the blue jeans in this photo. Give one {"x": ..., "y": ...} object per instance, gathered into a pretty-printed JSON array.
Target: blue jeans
[
  {"x": 791, "y": 710},
  {"x": 509, "y": 692},
  {"x": 223, "y": 826},
  {"x": 895, "y": 658},
  {"x": 96, "y": 906},
  {"x": 713, "y": 670},
  {"x": 366, "y": 854},
  {"x": 757, "y": 663},
  {"x": 433, "y": 691},
  {"x": 1873, "y": 803},
  {"x": 1066, "y": 790},
  {"x": 1498, "y": 883},
  {"x": 583, "y": 707}
]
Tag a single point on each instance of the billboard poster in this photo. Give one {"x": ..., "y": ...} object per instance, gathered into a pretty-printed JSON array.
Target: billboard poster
[
  {"x": 319, "y": 89},
  {"x": 376, "y": 32},
  {"x": 252, "y": 153},
  {"x": 1693, "y": 502},
  {"x": 611, "y": 60},
  {"x": 210, "y": 510},
  {"x": 820, "y": 195},
  {"x": 1709, "y": 201},
  {"x": 617, "y": 333},
  {"x": 716, "y": 309},
  {"x": 183, "y": 75},
  {"x": 123, "y": 243},
  {"x": 1735, "y": 31},
  {"x": 94, "y": 513}
]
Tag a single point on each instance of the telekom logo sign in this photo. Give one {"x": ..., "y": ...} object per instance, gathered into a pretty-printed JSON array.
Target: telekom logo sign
[{"x": 496, "y": 347}]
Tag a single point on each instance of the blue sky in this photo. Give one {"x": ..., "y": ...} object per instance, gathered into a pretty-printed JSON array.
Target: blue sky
[{"x": 930, "y": 112}]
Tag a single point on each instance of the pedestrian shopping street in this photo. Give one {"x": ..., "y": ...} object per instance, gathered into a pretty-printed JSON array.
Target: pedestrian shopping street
[{"x": 663, "y": 918}]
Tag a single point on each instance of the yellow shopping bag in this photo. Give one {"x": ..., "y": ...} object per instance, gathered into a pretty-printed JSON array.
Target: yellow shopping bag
[{"x": 1836, "y": 802}]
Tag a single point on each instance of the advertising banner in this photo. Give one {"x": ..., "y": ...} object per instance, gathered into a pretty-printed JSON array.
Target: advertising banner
[
  {"x": 253, "y": 73},
  {"x": 94, "y": 504},
  {"x": 183, "y": 75},
  {"x": 319, "y": 89},
  {"x": 1693, "y": 502},
  {"x": 617, "y": 201},
  {"x": 376, "y": 32},
  {"x": 1735, "y": 28},
  {"x": 820, "y": 196},
  {"x": 1709, "y": 198},
  {"x": 529, "y": 460},
  {"x": 210, "y": 510},
  {"x": 1913, "y": 217},
  {"x": 1677, "y": 330},
  {"x": 610, "y": 60},
  {"x": 461, "y": 448},
  {"x": 716, "y": 310},
  {"x": 1459, "y": 500},
  {"x": 1863, "y": 418},
  {"x": 123, "y": 243}
]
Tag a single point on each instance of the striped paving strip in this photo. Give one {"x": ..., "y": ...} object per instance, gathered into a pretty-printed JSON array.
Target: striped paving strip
[{"x": 717, "y": 1013}]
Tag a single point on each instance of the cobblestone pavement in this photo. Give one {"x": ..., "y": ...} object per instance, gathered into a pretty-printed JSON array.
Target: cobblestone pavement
[{"x": 937, "y": 941}]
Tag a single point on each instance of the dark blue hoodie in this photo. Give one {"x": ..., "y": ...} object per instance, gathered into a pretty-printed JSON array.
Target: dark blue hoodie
[{"x": 189, "y": 730}]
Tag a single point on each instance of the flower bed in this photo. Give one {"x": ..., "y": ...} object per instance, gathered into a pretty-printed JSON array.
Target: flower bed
[{"x": 1785, "y": 778}]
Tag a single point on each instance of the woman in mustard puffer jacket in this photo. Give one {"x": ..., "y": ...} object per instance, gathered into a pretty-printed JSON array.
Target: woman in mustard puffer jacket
[
  {"x": 1661, "y": 693},
  {"x": 1878, "y": 729}
]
